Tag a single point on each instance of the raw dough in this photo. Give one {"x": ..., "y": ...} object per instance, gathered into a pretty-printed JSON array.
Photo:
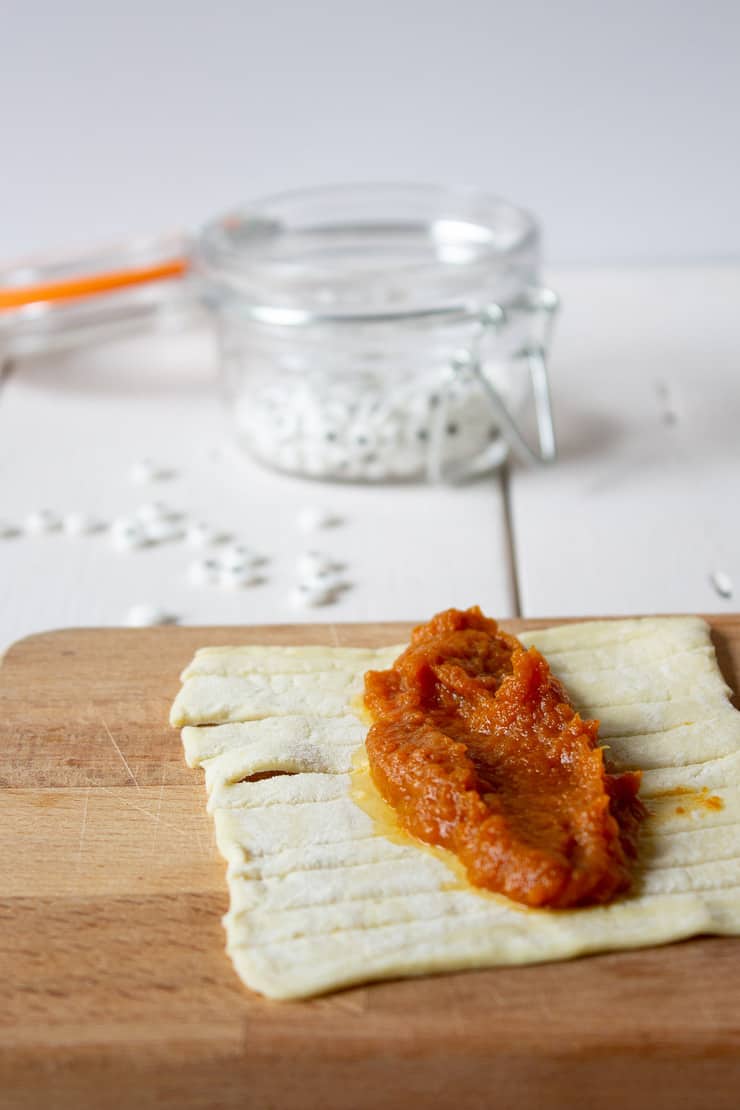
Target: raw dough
[{"x": 320, "y": 898}]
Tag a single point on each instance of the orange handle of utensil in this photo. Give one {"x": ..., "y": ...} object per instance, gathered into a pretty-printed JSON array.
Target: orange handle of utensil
[{"x": 89, "y": 285}]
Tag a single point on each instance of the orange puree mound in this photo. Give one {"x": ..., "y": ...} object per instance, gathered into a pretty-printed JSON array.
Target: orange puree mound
[{"x": 477, "y": 748}]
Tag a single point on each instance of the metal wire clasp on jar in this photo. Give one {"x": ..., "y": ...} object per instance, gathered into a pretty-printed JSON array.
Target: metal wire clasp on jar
[{"x": 381, "y": 333}]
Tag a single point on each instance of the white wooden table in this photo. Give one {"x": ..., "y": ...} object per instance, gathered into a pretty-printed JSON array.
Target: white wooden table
[{"x": 638, "y": 515}]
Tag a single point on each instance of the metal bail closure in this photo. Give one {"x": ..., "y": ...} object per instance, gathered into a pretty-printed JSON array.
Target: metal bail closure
[{"x": 543, "y": 304}]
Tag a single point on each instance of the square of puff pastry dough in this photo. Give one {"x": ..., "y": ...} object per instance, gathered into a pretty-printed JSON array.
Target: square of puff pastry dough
[{"x": 321, "y": 898}]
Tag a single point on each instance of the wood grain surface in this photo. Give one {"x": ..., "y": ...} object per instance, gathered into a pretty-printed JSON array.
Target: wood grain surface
[{"x": 116, "y": 990}]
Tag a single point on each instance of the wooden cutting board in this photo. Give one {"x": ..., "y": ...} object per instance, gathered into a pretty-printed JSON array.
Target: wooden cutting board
[{"x": 116, "y": 990}]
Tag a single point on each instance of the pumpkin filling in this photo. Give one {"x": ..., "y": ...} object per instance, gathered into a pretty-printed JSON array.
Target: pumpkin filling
[{"x": 476, "y": 746}]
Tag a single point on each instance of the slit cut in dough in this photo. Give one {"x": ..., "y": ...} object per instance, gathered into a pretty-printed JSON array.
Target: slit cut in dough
[{"x": 320, "y": 898}]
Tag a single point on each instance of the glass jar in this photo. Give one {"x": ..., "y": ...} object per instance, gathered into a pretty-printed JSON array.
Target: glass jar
[
  {"x": 380, "y": 332},
  {"x": 367, "y": 333}
]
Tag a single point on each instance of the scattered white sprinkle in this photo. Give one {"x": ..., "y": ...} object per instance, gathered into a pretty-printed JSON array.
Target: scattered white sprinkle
[
  {"x": 8, "y": 531},
  {"x": 162, "y": 530},
  {"x": 127, "y": 534},
  {"x": 203, "y": 572},
  {"x": 42, "y": 520},
  {"x": 239, "y": 569},
  {"x": 141, "y": 616},
  {"x": 722, "y": 583},
  {"x": 236, "y": 577},
  {"x": 311, "y": 518},
  {"x": 315, "y": 565},
  {"x": 153, "y": 510},
  {"x": 221, "y": 536},
  {"x": 144, "y": 471},
  {"x": 236, "y": 554},
  {"x": 122, "y": 524},
  {"x": 82, "y": 524},
  {"x": 308, "y": 595},
  {"x": 200, "y": 534}
]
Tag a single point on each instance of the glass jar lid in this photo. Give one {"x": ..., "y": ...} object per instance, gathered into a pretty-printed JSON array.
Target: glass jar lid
[{"x": 368, "y": 252}]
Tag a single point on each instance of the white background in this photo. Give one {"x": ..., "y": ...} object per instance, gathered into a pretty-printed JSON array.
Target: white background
[{"x": 616, "y": 123}]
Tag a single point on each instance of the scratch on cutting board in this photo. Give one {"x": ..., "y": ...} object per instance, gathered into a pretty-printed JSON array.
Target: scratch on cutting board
[
  {"x": 84, "y": 826},
  {"x": 189, "y": 833},
  {"x": 158, "y": 812},
  {"x": 120, "y": 753}
]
